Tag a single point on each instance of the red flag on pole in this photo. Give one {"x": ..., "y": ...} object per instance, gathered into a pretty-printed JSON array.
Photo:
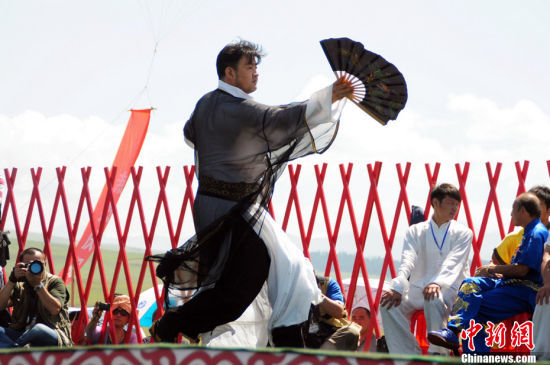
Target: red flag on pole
[{"x": 126, "y": 156}]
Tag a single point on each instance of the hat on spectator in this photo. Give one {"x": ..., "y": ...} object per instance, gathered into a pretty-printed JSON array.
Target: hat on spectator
[{"x": 122, "y": 302}]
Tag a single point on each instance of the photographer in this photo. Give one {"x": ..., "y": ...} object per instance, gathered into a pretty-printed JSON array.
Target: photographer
[
  {"x": 120, "y": 310},
  {"x": 39, "y": 300}
]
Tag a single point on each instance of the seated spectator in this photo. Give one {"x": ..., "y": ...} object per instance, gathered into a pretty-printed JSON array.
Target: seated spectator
[
  {"x": 500, "y": 291},
  {"x": 39, "y": 300},
  {"x": 120, "y": 309},
  {"x": 502, "y": 254},
  {"x": 361, "y": 316},
  {"x": 433, "y": 264},
  {"x": 328, "y": 325}
]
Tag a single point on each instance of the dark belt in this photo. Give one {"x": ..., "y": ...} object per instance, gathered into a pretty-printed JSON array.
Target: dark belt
[{"x": 227, "y": 190}]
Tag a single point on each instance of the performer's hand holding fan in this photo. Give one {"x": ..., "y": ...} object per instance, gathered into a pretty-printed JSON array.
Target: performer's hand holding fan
[{"x": 378, "y": 86}]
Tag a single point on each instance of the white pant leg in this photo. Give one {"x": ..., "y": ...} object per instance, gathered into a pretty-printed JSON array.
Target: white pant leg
[
  {"x": 291, "y": 283},
  {"x": 436, "y": 312},
  {"x": 397, "y": 323},
  {"x": 541, "y": 331},
  {"x": 249, "y": 330}
]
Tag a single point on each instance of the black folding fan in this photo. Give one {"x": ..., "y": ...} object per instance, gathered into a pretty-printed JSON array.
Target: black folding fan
[{"x": 379, "y": 87}]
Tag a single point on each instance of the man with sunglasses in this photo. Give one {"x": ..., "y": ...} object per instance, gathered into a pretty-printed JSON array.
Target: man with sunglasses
[{"x": 39, "y": 300}]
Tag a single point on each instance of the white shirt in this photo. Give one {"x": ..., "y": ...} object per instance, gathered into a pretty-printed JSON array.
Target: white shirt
[
  {"x": 233, "y": 90},
  {"x": 423, "y": 262}
]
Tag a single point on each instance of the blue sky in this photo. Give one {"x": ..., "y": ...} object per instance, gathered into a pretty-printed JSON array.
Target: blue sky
[{"x": 476, "y": 73}]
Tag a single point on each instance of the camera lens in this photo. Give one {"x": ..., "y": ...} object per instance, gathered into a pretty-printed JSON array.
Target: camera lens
[{"x": 36, "y": 267}]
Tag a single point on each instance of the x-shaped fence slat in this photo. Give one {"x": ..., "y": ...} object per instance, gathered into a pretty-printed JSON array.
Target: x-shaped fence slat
[
  {"x": 35, "y": 175},
  {"x": 10, "y": 200},
  {"x": 432, "y": 181},
  {"x": 72, "y": 229},
  {"x": 403, "y": 200},
  {"x": 188, "y": 199},
  {"x": 71, "y": 260},
  {"x": 293, "y": 200},
  {"x": 343, "y": 199},
  {"x": 148, "y": 239},
  {"x": 495, "y": 202},
  {"x": 27, "y": 223},
  {"x": 386, "y": 240},
  {"x": 378, "y": 205},
  {"x": 320, "y": 179},
  {"x": 332, "y": 235},
  {"x": 123, "y": 259},
  {"x": 360, "y": 238},
  {"x": 522, "y": 176},
  {"x": 493, "y": 182},
  {"x": 110, "y": 178},
  {"x": 462, "y": 177},
  {"x": 163, "y": 201},
  {"x": 319, "y": 198}
]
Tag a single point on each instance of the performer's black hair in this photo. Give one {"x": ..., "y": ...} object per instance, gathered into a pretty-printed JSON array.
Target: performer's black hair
[{"x": 230, "y": 55}]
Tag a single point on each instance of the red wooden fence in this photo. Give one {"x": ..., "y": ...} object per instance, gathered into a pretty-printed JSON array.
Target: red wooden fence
[{"x": 359, "y": 225}]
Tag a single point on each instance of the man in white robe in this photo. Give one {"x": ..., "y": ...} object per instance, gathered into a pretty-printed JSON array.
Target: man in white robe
[{"x": 433, "y": 264}]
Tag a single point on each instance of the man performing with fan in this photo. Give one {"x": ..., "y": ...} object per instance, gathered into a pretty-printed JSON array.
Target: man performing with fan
[
  {"x": 433, "y": 264},
  {"x": 241, "y": 147}
]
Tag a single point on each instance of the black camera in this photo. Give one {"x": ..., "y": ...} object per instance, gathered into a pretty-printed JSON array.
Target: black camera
[
  {"x": 103, "y": 306},
  {"x": 35, "y": 267}
]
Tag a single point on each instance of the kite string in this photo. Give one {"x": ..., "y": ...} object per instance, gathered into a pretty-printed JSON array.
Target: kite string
[{"x": 156, "y": 33}]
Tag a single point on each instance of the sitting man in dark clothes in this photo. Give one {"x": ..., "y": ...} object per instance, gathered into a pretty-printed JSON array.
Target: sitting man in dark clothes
[{"x": 329, "y": 327}]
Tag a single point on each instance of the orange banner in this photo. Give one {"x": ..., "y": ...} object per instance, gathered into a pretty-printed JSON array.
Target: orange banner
[{"x": 127, "y": 154}]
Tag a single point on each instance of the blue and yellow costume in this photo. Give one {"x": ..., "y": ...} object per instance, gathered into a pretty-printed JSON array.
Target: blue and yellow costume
[{"x": 485, "y": 299}]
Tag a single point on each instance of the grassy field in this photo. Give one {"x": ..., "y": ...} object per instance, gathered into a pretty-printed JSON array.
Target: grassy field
[{"x": 109, "y": 256}]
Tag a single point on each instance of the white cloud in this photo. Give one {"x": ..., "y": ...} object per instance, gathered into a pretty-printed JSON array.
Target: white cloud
[{"x": 505, "y": 133}]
